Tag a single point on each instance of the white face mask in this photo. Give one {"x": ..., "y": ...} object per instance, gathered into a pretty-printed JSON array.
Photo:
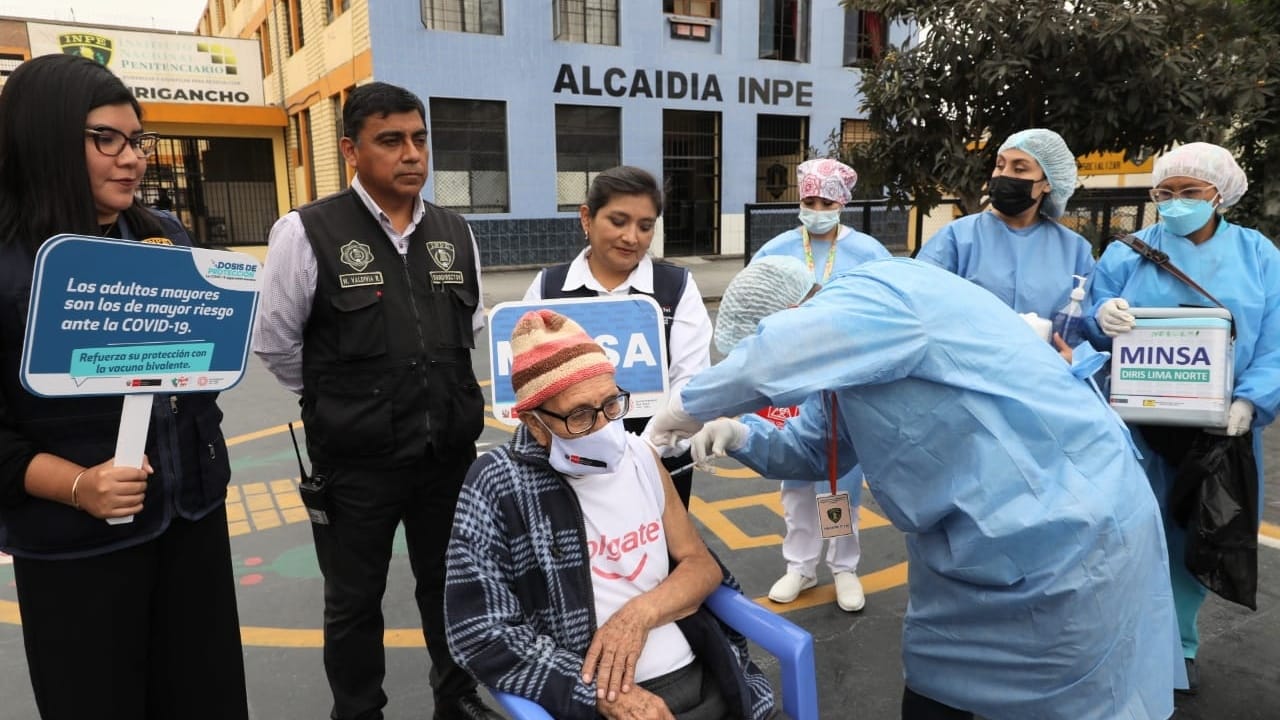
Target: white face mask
[
  {"x": 819, "y": 222},
  {"x": 596, "y": 453}
]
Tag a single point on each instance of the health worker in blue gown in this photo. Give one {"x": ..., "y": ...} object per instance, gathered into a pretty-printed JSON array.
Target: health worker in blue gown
[
  {"x": 827, "y": 247},
  {"x": 1195, "y": 184},
  {"x": 1037, "y": 584},
  {"x": 1017, "y": 249}
]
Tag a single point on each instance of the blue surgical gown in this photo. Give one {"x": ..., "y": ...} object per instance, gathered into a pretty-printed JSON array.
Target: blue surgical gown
[
  {"x": 1241, "y": 268},
  {"x": 1038, "y": 583},
  {"x": 852, "y": 249},
  {"x": 1029, "y": 269}
]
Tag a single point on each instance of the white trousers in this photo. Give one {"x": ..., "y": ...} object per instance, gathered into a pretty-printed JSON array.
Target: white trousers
[{"x": 802, "y": 547}]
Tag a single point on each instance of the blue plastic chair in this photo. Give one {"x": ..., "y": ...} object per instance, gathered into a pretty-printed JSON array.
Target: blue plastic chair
[{"x": 791, "y": 644}]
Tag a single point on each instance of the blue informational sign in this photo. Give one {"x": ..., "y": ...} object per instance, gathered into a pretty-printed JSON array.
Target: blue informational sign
[
  {"x": 116, "y": 317},
  {"x": 628, "y": 328}
]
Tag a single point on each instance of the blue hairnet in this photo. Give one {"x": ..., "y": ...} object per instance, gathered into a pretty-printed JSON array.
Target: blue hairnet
[
  {"x": 1207, "y": 162},
  {"x": 1055, "y": 158},
  {"x": 764, "y": 287}
]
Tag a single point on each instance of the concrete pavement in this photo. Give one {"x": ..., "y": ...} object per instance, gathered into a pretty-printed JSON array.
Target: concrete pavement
[{"x": 858, "y": 666}]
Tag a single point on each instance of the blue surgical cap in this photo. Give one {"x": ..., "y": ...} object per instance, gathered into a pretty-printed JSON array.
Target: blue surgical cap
[
  {"x": 1055, "y": 158},
  {"x": 767, "y": 285}
]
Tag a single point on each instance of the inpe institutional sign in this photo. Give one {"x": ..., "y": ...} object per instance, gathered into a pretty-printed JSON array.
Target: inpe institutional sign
[
  {"x": 677, "y": 85},
  {"x": 163, "y": 67}
]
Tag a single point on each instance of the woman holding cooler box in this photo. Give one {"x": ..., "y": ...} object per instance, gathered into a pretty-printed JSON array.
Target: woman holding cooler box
[{"x": 1194, "y": 185}]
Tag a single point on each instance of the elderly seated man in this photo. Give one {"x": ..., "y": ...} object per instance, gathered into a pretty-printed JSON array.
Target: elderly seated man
[{"x": 574, "y": 576}]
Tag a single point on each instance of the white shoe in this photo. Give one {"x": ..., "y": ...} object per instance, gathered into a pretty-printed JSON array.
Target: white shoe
[
  {"x": 849, "y": 595},
  {"x": 789, "y": 587}
]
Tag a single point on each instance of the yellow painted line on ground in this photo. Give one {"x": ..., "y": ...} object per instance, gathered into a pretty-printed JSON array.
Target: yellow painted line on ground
[
  {"x": 712, "y": 515},
  {"x": 259, "y": 434},
  {"x": 878, "y": 581},
  {"x": 276, "y": 430},
  {"x": 251, "y": 636},
  {"x": 1269, "y": 535}
]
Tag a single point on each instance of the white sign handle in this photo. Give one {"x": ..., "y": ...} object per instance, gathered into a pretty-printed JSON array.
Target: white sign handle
[{"x": 131, "y": 443}]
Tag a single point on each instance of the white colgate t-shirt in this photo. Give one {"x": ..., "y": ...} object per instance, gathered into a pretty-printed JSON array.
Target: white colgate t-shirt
[{"x": 627, "y": 545}]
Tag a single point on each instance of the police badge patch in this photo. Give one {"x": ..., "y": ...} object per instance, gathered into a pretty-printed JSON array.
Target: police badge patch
[
  {"x": 442, "y": 254},
  {"x": 359, "y": 256},
  {"x": 356, "y": 254}
]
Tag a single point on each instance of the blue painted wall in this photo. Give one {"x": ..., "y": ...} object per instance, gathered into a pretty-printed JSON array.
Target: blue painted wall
[{"x": 521, "y": 68}]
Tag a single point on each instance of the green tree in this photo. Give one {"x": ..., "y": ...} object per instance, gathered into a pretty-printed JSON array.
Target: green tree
[
  {"x": 1257, "y": 143},
  {"x": 1108, "y": 75}
]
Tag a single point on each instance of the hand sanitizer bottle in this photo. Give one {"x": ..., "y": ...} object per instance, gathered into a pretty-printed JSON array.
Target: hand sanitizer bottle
[{"x": 1068, "y": 322}]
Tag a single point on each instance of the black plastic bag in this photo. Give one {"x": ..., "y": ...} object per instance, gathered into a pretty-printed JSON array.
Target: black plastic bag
[{"x": 1215, "y": 497}]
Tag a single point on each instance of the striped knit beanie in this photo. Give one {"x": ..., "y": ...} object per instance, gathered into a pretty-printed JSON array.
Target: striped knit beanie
[{"x": 551, "y": 352}]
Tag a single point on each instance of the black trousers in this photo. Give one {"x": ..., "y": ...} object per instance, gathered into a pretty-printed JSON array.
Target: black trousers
[
  {"x": 354, "y": 552},
  {"x": 918, "y": 707},
  {"x": 145, "y": 633}
]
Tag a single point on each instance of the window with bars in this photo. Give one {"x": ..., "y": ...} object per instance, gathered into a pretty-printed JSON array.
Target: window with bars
[
  {"x": 335, "y": 8},
  {"x": 588, "y": 141},
  {"x": 784, "y": 30},
  {"x": 264, "y": 40},
  {"x": 691, "y": 8},
  {"x": 865, "y": 37},
  {"x": 293, "y": 25},
  {"x": 8, "y": 63},
  {"x": 473, "y": 16},
  {"x": 781, "y": 144},
  {"x": 853, "y": 133},
  {"x": 469, "y": 155},
  {"x": 335, "y": 107},
  {"x": 306, "y": 150},
  {"x": 587, "y": 21}
]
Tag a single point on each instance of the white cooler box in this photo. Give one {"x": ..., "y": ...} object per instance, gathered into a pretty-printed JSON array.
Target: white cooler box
[{"x": 1175, "y": 368}]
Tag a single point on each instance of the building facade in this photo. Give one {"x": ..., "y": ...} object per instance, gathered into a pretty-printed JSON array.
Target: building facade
[
  {"x": 222, "y": 144},
  {"x": 527, "y": 101},
  {"x": 313, "y": 52}
]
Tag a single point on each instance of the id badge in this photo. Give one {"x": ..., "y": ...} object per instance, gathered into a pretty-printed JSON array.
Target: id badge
[{"x": 835, "y": 515}]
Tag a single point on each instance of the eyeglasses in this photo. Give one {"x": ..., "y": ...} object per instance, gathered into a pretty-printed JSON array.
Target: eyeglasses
[
  {"x": 111, "y": 142},
  {"x": 580, "y": 421},
  {"x": 1204, "y": 192}
]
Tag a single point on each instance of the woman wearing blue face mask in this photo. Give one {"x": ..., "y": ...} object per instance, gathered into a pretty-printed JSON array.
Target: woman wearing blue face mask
[
  {"x": 827, "y": 248},
  {"x": 1017, "y": 250},
  {"x": 1195, "y": 184}
]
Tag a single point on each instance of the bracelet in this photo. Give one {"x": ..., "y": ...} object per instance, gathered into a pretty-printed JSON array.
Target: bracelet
[{"x": 74, "y": 485}]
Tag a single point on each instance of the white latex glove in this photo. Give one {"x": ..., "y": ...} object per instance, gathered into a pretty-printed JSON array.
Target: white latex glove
[
  {"x": 1112, "y": 317},
  {"x": 671, "y": 423},
  {"x": 717, "y": 438},
  {"x": 1239, "y": 419}
]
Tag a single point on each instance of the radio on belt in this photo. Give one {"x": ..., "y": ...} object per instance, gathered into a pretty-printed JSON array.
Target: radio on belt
[{"x": 1176, "y": 367}]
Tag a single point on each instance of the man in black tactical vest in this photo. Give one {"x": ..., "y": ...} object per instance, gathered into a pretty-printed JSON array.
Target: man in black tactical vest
[{"x": 371, "y": 303}]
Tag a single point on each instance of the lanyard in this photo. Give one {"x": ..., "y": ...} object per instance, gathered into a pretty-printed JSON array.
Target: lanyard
[
  {"x": 832, "y": 445},
  {"x": 808, "y": 256}
]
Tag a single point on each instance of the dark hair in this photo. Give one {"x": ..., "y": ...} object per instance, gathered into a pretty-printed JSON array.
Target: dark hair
[
  {"x": 377, "y": 98},
  {"x": 44, "y": 179},
  {"x": 622, "y": 180}
]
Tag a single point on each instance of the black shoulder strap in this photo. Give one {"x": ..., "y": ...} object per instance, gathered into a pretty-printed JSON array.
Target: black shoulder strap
[
  {"x": 668, "y": 287},
  {"x": 553, "y": 284},
  {"x": 1161, "y": 260}
]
